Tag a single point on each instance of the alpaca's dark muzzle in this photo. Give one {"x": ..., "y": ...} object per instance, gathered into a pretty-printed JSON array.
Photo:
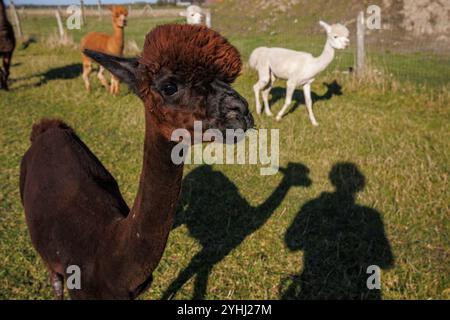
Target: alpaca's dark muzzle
[
  {"x": 229, "y": 108},
  {"x": 238, "y": 109}
]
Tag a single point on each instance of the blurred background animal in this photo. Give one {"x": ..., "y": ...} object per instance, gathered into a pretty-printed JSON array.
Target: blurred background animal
[
  {"x": 7, "y": 45},
  {"x": 194, "y": 15},
  {"x": 103, "y": 42}
]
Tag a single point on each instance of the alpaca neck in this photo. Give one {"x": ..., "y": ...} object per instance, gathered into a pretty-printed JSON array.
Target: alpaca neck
[
  {"x": 325, "y": 58},
  {"x": 118, "y": 39},
  {"x": 145, "y": 230}
]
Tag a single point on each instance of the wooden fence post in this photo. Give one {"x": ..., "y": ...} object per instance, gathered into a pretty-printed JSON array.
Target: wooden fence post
[
  {"x": 83, "y": 17},
  {"x": 16, "y": 19},
  {"x": 99, "y": 7},
  {"x": 360, "y": 32},
  {"x": 62, "y": 33}
]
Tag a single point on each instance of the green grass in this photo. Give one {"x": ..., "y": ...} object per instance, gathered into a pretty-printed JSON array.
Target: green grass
[{"x": 396, "y": 133}]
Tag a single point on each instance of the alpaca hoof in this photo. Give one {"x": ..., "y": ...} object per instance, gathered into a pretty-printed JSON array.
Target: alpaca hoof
[
  {"x": 269, "y": 114},
  {"x": 315, "y": 124},
  {"x": 278, "y": 118}
]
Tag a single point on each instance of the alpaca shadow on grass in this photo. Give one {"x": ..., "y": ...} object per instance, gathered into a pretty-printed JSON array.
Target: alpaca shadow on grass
[
  {"x": 220, "y": 219},
  {"x": 278, "y": 93},
  {"x": 339, "y": 240},
  {"x": 67, "y": 72}
]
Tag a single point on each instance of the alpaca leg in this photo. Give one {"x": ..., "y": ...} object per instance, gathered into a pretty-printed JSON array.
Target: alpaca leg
[
  {"x": 114, "y": 85},
  {"x": 6, "y": 66},
  {"x": 57, "y": 281},
  {"x": 265, "y": 95},
  {"x": 2, "y": 79},
  {"x": 289, "y": 93},
  {"x": 264, "y": 79},
  {"x": 102, "y": 78},
  {"x": 87, "y": 69},
  {"x": 308, "y": 101}
]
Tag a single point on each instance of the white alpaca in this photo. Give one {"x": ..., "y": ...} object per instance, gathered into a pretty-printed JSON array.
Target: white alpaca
[
  {"x": 194, "y": 15},
  {"x": 298, "y": 68}
]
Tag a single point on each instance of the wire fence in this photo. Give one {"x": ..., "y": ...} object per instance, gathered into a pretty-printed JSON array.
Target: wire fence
[{"x": 388, "y": 52}]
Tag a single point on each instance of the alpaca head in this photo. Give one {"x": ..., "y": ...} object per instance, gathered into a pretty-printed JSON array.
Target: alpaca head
[
  {"x": 119, "y": 16},
  {"x": 194, "y": 14},
  {"x": 184, "y": 75},
  {"x": 337, "y": 35}
]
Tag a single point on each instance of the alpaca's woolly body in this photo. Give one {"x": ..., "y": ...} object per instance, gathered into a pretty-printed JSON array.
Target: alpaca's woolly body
[
  {"x": 7, "y": 45},
  {"x": 7, "y": 39}
]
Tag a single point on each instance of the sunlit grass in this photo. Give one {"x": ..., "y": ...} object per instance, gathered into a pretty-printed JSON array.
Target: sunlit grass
[{"x": 397, "y": 133}]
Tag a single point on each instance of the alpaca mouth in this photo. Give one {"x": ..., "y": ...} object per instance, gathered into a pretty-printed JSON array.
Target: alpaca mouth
[
  {"x": 235, "y": 121},
  {"x": 242, "y": 121}
]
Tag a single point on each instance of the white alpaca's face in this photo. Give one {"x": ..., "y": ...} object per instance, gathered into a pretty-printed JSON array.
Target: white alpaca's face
[
  {"x": 195, "y": 18},
  {"x": 194, "y": 14},
  {"x": 337, "y": 35}
]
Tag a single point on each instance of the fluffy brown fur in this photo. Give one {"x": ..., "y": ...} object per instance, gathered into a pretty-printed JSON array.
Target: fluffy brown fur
[
  {"x": 47, "y": 124},
  {"x": 194, "y": 52}
]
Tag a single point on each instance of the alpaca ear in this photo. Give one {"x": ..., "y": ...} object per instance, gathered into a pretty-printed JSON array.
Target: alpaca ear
[
  {"x": 326, "y": 26},
  {"x": 123, "y": 68}
]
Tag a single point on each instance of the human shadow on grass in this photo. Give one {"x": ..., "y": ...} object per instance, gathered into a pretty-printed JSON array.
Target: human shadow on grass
[
  {"x": 220, "y": 219},
  {"x": 278, "y": 93},
  {"x": 340, "y": 240}
]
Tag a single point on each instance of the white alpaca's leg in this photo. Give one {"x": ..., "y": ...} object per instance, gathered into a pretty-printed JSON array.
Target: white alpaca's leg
[
  {"x": 264, "y": 79},
  {"x": 289, "y": 93},
  {"x": 265, "y": 95},
  {"x": 308, "y": 101},
  {"x": 102, "y": 78}
]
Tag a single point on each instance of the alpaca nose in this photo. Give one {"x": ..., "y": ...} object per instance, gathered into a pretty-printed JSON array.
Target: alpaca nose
[{"x": 239, "y": 104}]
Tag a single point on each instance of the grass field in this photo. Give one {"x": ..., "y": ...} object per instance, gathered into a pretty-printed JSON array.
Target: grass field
[{"x": 245, "y": 236}]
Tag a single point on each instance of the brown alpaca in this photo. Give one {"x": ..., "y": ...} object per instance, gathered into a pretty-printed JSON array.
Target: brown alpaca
[
  {"x": 74, "y": 210},
  {"x": 105, "y": 43},
  {"x": 7, "y": 45}
]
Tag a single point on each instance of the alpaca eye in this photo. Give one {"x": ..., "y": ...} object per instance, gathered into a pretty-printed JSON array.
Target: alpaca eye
[{"x": 170, "y": 89}]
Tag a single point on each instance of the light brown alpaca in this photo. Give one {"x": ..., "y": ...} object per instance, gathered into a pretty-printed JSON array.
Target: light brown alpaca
[{"x": 103, "y": 42}]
